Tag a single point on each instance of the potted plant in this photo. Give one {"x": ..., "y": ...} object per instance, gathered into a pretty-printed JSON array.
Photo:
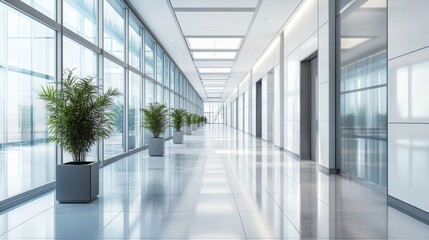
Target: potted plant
[
  {"x": 202, "y": 120},
  {"x": 177, "y": 116},
  {"x": 194, "y": 122},
  {"x": 188, "y": 123},
  {"x": 205, "y": 120},
  {"x": 79, "y": 116},
  {"x": 155, "y": 119}
]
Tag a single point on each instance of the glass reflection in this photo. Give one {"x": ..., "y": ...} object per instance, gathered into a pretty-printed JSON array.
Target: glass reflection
[
  {"x": 362, "y": 123},
  {"x": 114, "y": 29},
  {"x": 27, "y": 62},
  {"x": 114, "y": 78}
]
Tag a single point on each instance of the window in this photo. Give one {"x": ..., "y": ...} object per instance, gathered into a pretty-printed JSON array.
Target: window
[
  {"x": 114, "y": 29},
  {"x": 149, "y": 55},
  {"x": 160, "y": 65},
  {"x": 149, "y": 98},
  {"x": 135, "y": 43},
  {"x": 135, "y": 137},
  {"x": 46, "y": 7},
  {"x": 114, "y": 78},
  {"x": 27, "y": 62},
  {"x": 80, "y": 16}
]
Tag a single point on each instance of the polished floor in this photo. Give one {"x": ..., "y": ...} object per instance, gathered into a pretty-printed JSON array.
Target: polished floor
[{"x": 219, "y": 184}]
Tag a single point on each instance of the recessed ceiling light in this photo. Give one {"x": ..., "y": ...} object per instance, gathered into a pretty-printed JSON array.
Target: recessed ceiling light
[
  {"x": 214, "y": 70},
  {"x": 222, "y": 77},
  {"x": 348, "y": 43},
  {"x": 263, "y": 31},
  {"x": 214, "y": 55},
  {"x": 160, "y": 20},
  {"x": 214, "y": 43},
  {"x": 269, "y": 20},
  {"x": 165, "y": 31},
  {"x": 171, "y": 40}
]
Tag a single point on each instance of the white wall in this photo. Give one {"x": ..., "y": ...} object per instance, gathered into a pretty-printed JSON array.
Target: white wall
[
  {"x": 408, "y": 85},
  {"x": 311, "y": 29}
]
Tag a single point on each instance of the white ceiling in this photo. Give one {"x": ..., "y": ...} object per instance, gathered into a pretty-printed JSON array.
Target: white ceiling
[{"x": 257, "y": 22}]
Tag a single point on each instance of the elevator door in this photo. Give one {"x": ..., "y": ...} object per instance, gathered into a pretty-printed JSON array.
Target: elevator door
[
  {"x": 314, "y": 82},
  {"x": 258, "y": 111}
]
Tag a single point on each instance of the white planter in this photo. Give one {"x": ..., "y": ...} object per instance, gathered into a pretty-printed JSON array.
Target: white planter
[
  {"x": 156, "y": 146},
  {"x": 194, "y": 127},
  {"x": 188, "y": 130},
  {"x": 178, "y": 137}
]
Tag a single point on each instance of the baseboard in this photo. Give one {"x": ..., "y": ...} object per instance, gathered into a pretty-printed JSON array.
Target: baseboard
[
  {"x": 408, "y": 209},
  {"x": 25, "y": 196},
  {"x": 328, "y": 171}
]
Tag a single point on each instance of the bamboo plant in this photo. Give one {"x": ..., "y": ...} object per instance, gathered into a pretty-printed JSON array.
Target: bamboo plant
[
  {"x": 155, "y": 118},
  {"x": 79, "y": 115},
  {"x": 177, "y": 116}
]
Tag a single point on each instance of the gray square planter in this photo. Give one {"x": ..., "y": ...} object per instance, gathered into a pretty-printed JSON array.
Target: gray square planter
[
  {"x": 77, "y": 183},
  {"x": 178, "y": 137},
  {"x": 188, "y": 130},
  {"x": 194, "y": 127},
  {"x": 156, "y": 146}
]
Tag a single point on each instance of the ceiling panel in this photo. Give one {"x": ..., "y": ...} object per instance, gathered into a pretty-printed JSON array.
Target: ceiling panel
[
  {"x": 214, "y": 3},
  {"x": 214, "y": 23}
]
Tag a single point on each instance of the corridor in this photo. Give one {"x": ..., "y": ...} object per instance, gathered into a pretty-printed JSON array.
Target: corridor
[{"x": 220, "y": 184}]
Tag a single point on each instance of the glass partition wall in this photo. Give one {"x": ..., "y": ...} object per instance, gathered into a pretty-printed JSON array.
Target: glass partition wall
[
  {"x": 35, "y": 49},
  {"x": 362, "y": 90}
]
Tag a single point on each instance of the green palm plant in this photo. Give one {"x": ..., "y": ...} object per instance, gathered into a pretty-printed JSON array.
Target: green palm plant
[
  {"x": 155, "y": 118},
  {"x": 188, "y": 119},
  {"x": 195, "y": 119},
  {"x": 79, "y": 115},
  {"x": 177, "y": 115}
]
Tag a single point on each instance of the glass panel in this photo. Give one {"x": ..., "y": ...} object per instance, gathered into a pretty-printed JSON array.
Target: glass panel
[
  {"x": 160, "y": 94},
  {"x": 114, "y": 78},
  {"x": 135, "y": 137},
  {"x": 80, "y": 16},
  {"x": 149, "y": 55},
  {"x": 160, "y": 65},
  {"x": 166, "y": 71},
  {"x": 27, "y": 62},
  {"x": 84, "y": 63},
  {"x": 135, "y": 42},
  {"x": 172, "y": 75},
  {"x": 46, "y": 7},
  {"x": 149, "y": 98},
  {"x": 362, "y": 92},
  {"x": 114, "y": 29}
]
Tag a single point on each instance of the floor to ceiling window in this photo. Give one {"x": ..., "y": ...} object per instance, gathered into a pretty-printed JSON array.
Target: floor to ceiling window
[
  {"x": 362, "y": 91},
  {"x": 114, "y": 77},
  {"x": 27, "y": 62},
  {"x": 135, "y": 135},
  {"x": 31, "y": 57}
]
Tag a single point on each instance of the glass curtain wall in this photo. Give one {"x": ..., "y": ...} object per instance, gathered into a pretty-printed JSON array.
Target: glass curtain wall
[
  {"x": 30, "y": 55},
  {"x": 362, "y": 91},
  {"x": 27, "y": 62},
  {"x": 213, "y": 111}
]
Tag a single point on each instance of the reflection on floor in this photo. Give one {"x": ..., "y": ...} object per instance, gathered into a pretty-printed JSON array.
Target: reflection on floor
[{"x": 219, "y": 184}]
